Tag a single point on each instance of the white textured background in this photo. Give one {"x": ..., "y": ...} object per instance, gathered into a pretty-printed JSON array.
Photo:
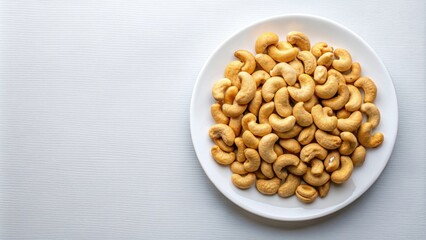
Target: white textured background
[{"x": 94, "y": 121}]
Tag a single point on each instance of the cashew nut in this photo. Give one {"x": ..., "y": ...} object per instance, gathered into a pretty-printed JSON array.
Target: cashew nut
[
  {"x": 303, "y": 117},
  {"x": 322, "y": 119},
  {"x": 338, "y": 75},
  {"x": 351, "y": 123},
  {"x": 320, "y": 48},
  {"x": 224, "y": 132},
  {"x": 271, "y": 86},
  {"x": 344, "y": 172},
  {"x": 222, "y": 157},
  {"x": 278, "y": 150},
  {"x": 372, "y": 112},
  {"x": 332, "y": 161},
  {"x": 250, "y": 140},
  {"x": 286, "y": 71},
  {"x": 324, "y": 189},
  {"x": 307, "y": 135},
  {"x": 282, "y": 162},
  {"x": 266, "y": 147},
  {"x": 306, "y": 193},
  {"x": 369, "y": 87},
  {"x": 309, "y": 61},
  {"x": 265, "y": 61},
  {"x": 343, "y": 113},
  {"x": 358, "y": 156},
  {"x": 252, "y": 162},
  {"x": 268, "y": 186},
  {"x": 288, "y": 188},
  {"x": 282, "y": 102},
  {"x": 249, "y": 63},
  {"x": 291, "y": 145},
  {"x": 265, "y": 40},
  {"x": 235, "y": 124},
  {"x": 306, "y": 90},
  {"x": 260, "y": 77},
  {"x": 282, "y": 55},
  {"x": 255, "y": 104},
  {"x": 243, "y": 182},
  {"x": 266, "y": 169},
  {"x": 365, "y": 137},
  {"x": 340, "y": 100},
  {"x": 326, "y": 59},
  {"x": 231, "y": 72},
  {"x": 355, "y": 99},
  {"x": 265, "y": 111},
  {"x": 249, "y": 117},
  {"x": 281, "y": 124},
  {"x": 300, "y": 40},
  {"x": 240, "y": 149},
  {"x": 311, "y": 103},
  {"x": 217, "y": 114},
  {"x": 311, "y": 151},
  {"x": 259, "y": 129},
  {"x": 316, "y": 181},
  {"x": 238, "y": 168},
  {"x": 298, "y": 66},
  {"x": 230, "y": 94},
  {"x": 219, "y": 88},
  {"x": 349, "y": 143},
  {"x": 328, "y": 89},
  {"x": 317, "y": 167},
  {"x": 327, "y": 141},
  {"x": 320, "y": 74},
  {"x": 219, "y": 142},
  {"x": 248, "y": 89},
  {"x": 290, "y": 134},
  {"x": 233, "y": 110},
  {"x": 354, "y": 74},
  {"x": 298, "y": 170},
  {"x": 343, "y": 61}
]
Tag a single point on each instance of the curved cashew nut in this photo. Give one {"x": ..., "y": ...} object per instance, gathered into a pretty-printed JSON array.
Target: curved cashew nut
[
  {"x": 316, "y": 181},
  {"x": 259, "y": 129},
  {"x": 326, "y": 59},
  {"x": 355, "y": 99},
  {"x": 278, "y": 150},
  {"x": 291, "y": 145},
  {"x": 340, "y": 100},
  {"x": 282, "y": 102},
  {"x": 343, "y": 61},
  {"x": 217, "y": 114},
  {"x": 233, "y": 110},
  {"x": 290, "y": 134},
  {"x": 249, "y": 117},
  {"x": 243, "y": 182},
  {"x": 358, "y": 156},
  {"x": 235, "y": 124},
  {"x": 372, "y": 112},
  {"x": 303, "y": 117},
  {"x": 354, "y": 74},
  {"x": 286, "y": 71},
  {"x": 320, "y": 74},
  {"x": 230, "y": 94},
  {"x": 266, "y": 147},
  {"x": 311, "y": 151},
  {"x": 306, "y": 193},
  {"x": 311, "y": 103},
  {"x": 260, "y": 77},
  {"x": 369, "y": 87},
  {"x": 324, "y": 189},
  {"x": 309, "y": 61},
  {"x": 322, "y": 119},
  {"x": 221, "y": 144},
  {"x": 241, "y": 157},
  {"x": 252, "y": 162},
  {"x": 268, "y": 186},
  {"x": 298, "y": 66},
  {"x": 265, "y": 111},
  {"x": 365, "y": 137},
  {"x": 222, "y": 131},
  {"x": 338, "y": 75},
  {"x": 327, "y": 141},
  {"x": 249, "y": 63},
  {"x": 265, "y": 61},
  {"x": 320, "y": 48},
  {"x": 317, "y": 167},
  {"x": 221, "y": 157},
  {"x": 231, "y": 72},
  {"x": 238, "y": 168},
  {"x": 256, "y": 103},
  {"x": 288, "y": 188},
  {"x": 271, "y": 86},
  {"x": 265, "y": 40},
  {"x": 349, "y": 143},
  {"x": 266, "y": 169},
  {"x": 307, "y": 135},
  {"x": 282, "y": 162},
  {"x": 248, "y": 88},
  {"x": 281, "y": 124},
  {"x": 300, "y": 40},
  {"x": 332, "y": 161},
  {"x": 328, "y": 89},
  {"x": 344, "y": 173},
  {"x": 351, "y": 123},
  {"x": 298, "y": 170},
  {"x": 219, "y": 88},
  {"x": 250, "y": 140},
  {"x": 282, "y": 55},
  {"x": 306, "y": 90}
]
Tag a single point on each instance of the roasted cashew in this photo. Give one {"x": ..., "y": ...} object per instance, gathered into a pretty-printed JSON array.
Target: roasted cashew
[
  {"x": 311, "y": 151},
  {"x": 340, "y": 100},
  {"x": 230, "y": 95},
  {"x": 248, "y": 88},
  {"x": 266, "y": 169},
  {"x": 317, "y": 167},
  {"x": 354, "y": 74},
  {"x": 282, "y": 162},
  {"x": 358, "y": 156},
  {"x": 266, "y": 147},
  {"x": 320, "y": 74},
  {"x": 265, "y": 61},
  {"x": 265, "y": 40},
  {"x": 326, "y": 59},
  {"x": 343, "y": 60},
  {"x": 306, "y": 193},
  {"x": 252, "y": 162},
  {"x": 349, "y": 143},
  {"x": 309, "y": 61},
  {"x": 351, "y": 123},
  {"x": 222, "y": 131},
  {"x": 327, "y": 141},
  {"x": 282, "y": 55},
  {"x": 311, "y": 103},
  {"x": 259, "y": 129},
  {"x": 307, "y": 135},
  {"x": 300, "y": 40},
  {"x": 316, "y": 181},
  {"x": 355, "y": 99},
  {"x": 238, "y": 168},
  {"x": 249, "y": 117},
  {"x": 328, "y": 89},
  {"x": 233, "y": 110},
  {"x": 369, "y": 87},
  {"x": 343, "y": 113},
  {"x": 240, "y": 149},
  {"x": 243, "y": 182},
  {"x": 282, "y": 102},
  {"x": 222, "y": 157},
  {"x": 250, "y": 140},
  {"x": 322, "y": 119},
  {"x": 218, "y": 90},
  {"x": 288, "y": 188},
  {"x": 235, "y": 124},
  {"x": 249, "y": 63},
  {"x": 281, "y": 124},
  {"x": 286, "y": 71},
  {"x": 265, "y": 111},
  {"x": 303, "y": 117},
  {"x": 306, "y": 90},
  {"x": 332, "y": 161},
  {"x": 268, "y": 186},
  {"x": 324, "y": 189},
  {"x": 260, "y": 77},
  {"x": 217, "y": 114},
  {"x": 298, "y": 170},
  {"x": 320, "y": 48},
  {"x": 255, "y": 104},
  {"x": 290, "y": 134},
  {"x": 372, "y": 112},
  {"x": 298, "y": 66},
  {"x": 219, "y": 142},
  {"x": 291, "y": 145},
  {"x": 271, "y": 86},
  {"x": 278, "y": 150},
  {"x": 344, "y": 172},
  {"x": 365, "y": 137},
  {"x": 336, "y": 74},
  {"x": 231, "y": 72}
]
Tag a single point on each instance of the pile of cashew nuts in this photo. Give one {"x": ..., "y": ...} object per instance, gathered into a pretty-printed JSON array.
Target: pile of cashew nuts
[{"x": 289, "y": 119}]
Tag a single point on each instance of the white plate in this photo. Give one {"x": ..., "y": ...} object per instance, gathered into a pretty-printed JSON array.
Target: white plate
[{"x": 317, "y": 29}]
